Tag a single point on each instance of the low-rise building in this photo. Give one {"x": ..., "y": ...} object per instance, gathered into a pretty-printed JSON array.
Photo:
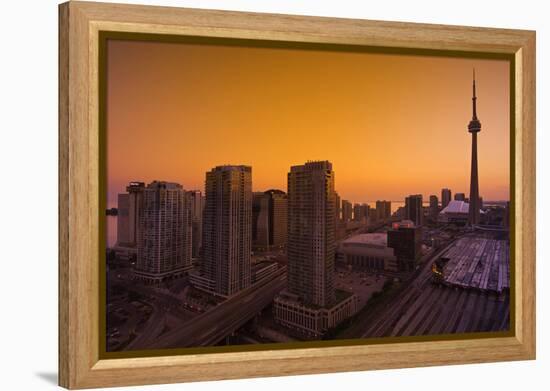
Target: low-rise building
[
  {"x": 313, "y": 321},
  {"x": 368, "y": 251}
]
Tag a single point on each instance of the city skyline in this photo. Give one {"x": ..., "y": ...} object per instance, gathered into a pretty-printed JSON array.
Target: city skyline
[
  {"x": 365, "y": 174},
  {"x": 246, "y": 208}
]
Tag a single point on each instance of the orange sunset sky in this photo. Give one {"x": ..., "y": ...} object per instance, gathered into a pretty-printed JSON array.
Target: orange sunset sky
[{"x": 392, "y": 125}]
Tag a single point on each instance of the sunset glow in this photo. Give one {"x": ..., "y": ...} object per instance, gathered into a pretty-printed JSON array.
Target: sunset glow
[{"x": 392, "y": 125}]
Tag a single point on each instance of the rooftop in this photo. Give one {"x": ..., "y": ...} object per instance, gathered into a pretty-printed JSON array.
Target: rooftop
[
  {"x": 374, "y": 239},
  {"x": 457, "y": 207}
]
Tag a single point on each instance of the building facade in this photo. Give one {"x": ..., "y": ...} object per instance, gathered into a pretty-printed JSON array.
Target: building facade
[
  {"x": 260, "y": 220},
  {"x": 269, "y": 219},
  {"x": 129, "y": 209},
  {"x": 368, "y": 252},
  {"x": 197, "y": 208},
  {"x": 165, "y": 232},
  {"x": 406, "y": 240},
  {"x": 227, "y": 229}
]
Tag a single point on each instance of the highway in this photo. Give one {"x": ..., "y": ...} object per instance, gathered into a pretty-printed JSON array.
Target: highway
[{"x": 212, "y": 326}]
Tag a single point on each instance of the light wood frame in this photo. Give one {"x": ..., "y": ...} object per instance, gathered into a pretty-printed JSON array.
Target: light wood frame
[{"x": 79, "y": 363}]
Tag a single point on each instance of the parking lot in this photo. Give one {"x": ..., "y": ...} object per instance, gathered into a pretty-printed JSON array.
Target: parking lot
[{"x": 362, "y": 283}]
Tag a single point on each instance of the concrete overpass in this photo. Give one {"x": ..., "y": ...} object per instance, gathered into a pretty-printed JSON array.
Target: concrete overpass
[{"x": 213, "y": 326}]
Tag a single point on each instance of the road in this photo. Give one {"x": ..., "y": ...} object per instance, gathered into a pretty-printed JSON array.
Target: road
[
  {"x": 161, "y": 303},
  {"x": 212, "y": 326}
]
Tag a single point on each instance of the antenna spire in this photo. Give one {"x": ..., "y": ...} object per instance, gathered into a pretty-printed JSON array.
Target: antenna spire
[{"x": 474, "y": 98}]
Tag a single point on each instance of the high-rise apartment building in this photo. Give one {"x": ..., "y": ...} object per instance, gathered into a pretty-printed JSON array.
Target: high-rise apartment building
[
  {"x": 310, "y": 302},
  {"x": 311, "y": 244},
  {"x": 269, "y": 219},
  {"x": 413, "y": 209},
  {"x": 129, "y": 208},
  {"x": 460, "y": 197},
  {"x": 227, "y": 230},
  {"x": 445, "y": 197},
  {"x": 165, "y": 232}
]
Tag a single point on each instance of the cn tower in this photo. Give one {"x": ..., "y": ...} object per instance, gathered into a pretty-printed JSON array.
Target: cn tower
[{"x": 474, "y": 127}]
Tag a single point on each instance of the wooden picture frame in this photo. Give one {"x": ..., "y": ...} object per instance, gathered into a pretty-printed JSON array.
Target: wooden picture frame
[{"x": 80, "y": 362}]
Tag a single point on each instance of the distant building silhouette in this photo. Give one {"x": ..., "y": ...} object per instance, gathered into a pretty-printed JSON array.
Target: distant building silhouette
[
  {"x": 364, "y": 212},
  {"x": 357, "y": 212},
  {"x": 347, "y": 211},
  {"x": 414, "y": 209},
  {"x": 383, "y": 209},
  {"x": 434, "y": 206},
  {"x": 460, "y": 197},
  {"x": 445, "y": 197}
]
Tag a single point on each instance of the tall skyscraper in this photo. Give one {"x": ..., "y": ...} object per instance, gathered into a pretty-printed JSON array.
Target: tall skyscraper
[
  {"x": 197, "y": 207},
  {"x": 383, "y": 209},
  {"x": 413, "y": 209},
  {"x": 165, "y": 231},
  {"x": 269, "y": 219},
  {"x": 310, "y": 303},
  {"x": 129, "y": 209},
  {"x": 445, "y": 197},
  {"x": 347, "y": 211},
  {"x": 311, "y": 244},
  {"x": 227, "y": 229},
  {"x": 474, "y": 127}
]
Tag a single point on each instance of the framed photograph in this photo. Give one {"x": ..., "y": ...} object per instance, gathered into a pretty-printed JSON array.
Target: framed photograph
[{"x": 246, "y": 195}]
